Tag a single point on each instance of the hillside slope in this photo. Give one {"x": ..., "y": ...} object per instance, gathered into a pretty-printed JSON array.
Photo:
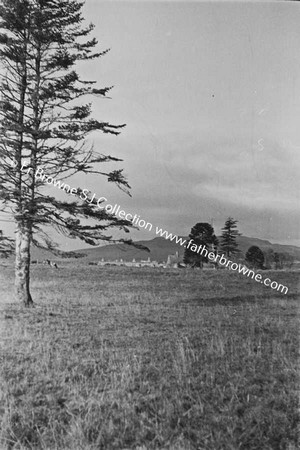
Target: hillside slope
[{"x": 160, "y": 248}]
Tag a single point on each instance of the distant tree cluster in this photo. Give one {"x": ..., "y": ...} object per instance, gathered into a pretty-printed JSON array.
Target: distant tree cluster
[
  {"x": 278, "y": 260},
  {"x": 202, "y": 234}
]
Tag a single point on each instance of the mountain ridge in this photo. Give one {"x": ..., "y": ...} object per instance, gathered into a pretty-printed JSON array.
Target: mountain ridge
[{"x": 160, "y": 248}]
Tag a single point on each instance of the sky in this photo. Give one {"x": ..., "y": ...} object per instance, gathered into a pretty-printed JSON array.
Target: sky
[{"x": 210, "y": 95}]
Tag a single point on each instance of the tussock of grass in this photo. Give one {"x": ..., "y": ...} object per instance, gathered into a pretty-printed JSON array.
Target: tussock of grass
[{"x": 143, "y": 359}]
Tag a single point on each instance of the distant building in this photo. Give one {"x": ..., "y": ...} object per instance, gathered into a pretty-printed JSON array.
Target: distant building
[
  {"x": 174, "y": 261},
  {"x": 149, "y": 263},
  {"x": 133, "y": 263}
]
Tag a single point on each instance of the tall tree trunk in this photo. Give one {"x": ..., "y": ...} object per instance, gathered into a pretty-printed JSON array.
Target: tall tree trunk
[{"x": 22, "y": 264}]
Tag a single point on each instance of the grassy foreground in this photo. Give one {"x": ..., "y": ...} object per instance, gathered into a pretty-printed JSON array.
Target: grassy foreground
[{"x": 120, "y": 358}]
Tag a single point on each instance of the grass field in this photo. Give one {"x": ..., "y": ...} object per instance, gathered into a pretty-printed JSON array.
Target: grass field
[{"x": 120, "y": 358}]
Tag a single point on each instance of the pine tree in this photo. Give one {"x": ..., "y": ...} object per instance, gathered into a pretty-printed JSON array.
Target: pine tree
[
  {"x": 228, "y": 239},
  {"x": 6, "y": 245},
  {"x": 44, "y": 129},
  {"x": 202, "y": 234}
]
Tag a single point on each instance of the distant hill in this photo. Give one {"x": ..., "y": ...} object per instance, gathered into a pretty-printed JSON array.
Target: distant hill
[
  {"x": 246, "y": 242},
  {"x": 159, "y": 248},
  {"x": 41, "y": 255}
]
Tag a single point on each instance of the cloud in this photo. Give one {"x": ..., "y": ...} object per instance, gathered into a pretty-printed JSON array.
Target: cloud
[{"x": 258, "y": 175}]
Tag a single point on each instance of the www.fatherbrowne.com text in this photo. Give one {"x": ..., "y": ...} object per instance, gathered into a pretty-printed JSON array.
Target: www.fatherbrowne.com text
[
  {"x": 222, "y": 260},
  {"x": 84, "y": 194},
  {"x": 141, "y": 223}
]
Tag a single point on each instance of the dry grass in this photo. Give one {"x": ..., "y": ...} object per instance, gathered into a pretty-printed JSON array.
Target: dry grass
[{"x": 120, "y": 358}]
